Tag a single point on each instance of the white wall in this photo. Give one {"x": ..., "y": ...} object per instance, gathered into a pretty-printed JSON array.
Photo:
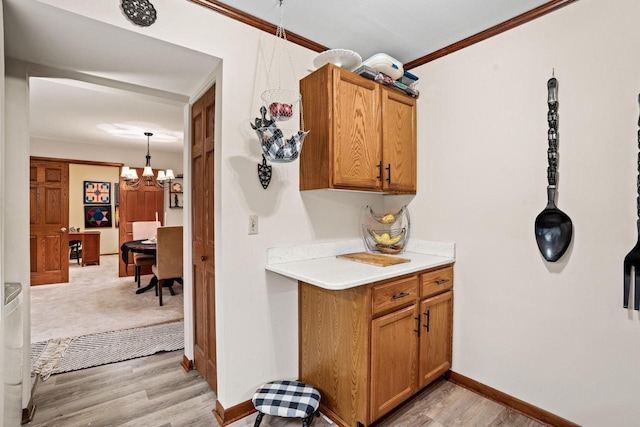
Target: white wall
[
  {"x": 552, "y": 334},
  {"x": 16, "y": 172},
  {"x": 77, "y": 175},
  {"x": 256, "y": 310},
  {"x": 2, "y": 208}
]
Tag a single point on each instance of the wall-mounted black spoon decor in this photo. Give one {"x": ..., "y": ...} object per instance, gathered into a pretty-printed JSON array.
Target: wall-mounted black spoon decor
[
  {"x": 633, "y": 258},
  {"x": 553, "y": 227}
]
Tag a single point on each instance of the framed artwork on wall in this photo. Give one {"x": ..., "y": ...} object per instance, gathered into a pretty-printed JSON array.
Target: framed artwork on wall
[
  {"x": 97, "y": 193},
  {"x": 97, "y": 216},
  {"x": 116, "y": 193}
]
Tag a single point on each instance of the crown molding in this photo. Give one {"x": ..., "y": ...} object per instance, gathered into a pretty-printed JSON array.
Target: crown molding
[
  {"x": 258, "y": 23},
  {"x": 490, "y": 32}
]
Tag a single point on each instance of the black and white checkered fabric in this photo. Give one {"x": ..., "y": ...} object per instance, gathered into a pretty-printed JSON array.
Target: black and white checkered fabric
[{"x": 287, "y": 399}]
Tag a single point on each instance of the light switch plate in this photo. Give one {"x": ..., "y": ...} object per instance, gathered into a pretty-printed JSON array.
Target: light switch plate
[{"x": 253, "y": 224}]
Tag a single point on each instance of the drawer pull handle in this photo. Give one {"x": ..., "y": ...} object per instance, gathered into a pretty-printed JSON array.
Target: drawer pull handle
[
  {"x": 428, "y": 316},
  {"x": 401, "y": 295},
  {"x": 441, "y": 282}
]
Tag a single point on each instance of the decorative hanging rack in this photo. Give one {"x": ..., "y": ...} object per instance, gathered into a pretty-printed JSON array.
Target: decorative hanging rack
[{"x": 279, "y": 144}]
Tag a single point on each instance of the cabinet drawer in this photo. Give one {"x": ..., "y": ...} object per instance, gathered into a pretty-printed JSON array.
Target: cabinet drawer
[
  {"x": 394, "y": 294},
  {"x": 435, "y": 282}
]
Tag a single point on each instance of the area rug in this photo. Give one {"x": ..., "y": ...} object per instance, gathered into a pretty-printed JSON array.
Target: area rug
[{"x": 70, "y": 354}]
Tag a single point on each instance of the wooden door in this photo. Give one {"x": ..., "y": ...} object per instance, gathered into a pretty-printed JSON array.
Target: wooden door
[
  {"x": 141, "y": 203},
  {"x": 398, "y": 142},
  {"x": 394, "y": 359},
  {"x": 49, "y": 219},
  {"x": 436, "y": 314},
  {"x": 357, "y": 135},
  {"x": 202, "y": 168}
]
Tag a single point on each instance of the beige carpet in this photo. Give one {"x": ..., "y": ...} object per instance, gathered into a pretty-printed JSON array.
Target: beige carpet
[{"x": 97, "y": 300}]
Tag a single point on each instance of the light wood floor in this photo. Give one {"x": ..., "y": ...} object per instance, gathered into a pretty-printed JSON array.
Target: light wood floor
[{"x": 155, "y": 391}]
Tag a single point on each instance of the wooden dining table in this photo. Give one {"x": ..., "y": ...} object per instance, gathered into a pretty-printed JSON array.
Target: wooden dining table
[{"x": 137, "y": 246}]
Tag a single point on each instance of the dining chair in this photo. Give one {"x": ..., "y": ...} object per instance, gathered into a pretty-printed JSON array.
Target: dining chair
[
  {"x": 76, "y": 250},
  {"x": 168, "y": 266},
  {"x": 143, "y": 230}
]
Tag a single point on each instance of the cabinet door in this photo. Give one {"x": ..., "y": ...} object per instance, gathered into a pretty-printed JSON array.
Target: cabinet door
[
  {"x": 357, "y": 136},
  {"x": 436, "y": 318},
  {"x": 399, "y": 142},
  {"x": 394, "y": 352}
]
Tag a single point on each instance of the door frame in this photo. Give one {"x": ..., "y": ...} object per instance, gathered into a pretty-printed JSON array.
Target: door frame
[{"x": 19, "y": 132}]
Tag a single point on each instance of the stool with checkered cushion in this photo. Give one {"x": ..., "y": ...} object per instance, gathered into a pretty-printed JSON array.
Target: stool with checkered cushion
[{"x": 291, "y": 399}]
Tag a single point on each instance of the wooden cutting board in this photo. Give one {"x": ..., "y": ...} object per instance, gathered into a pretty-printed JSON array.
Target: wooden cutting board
[{"x": 375, "y": 259}]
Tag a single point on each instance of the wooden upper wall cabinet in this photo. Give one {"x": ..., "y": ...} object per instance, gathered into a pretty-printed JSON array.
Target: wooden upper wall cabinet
[{"x": 362, "y": 134}]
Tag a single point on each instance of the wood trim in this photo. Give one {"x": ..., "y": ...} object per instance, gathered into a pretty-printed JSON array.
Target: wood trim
[
  {"x": 509, "y": 401},
  {"x": 30, "y": 411},
  {"x": 78, "y": 162},
  {"x": 186, "y": 364},
  {"x": 245, "y": 18},
  {"x": 539, "y": 11},
  {"x": 332, "y": 416},
  {"x": 234, "y": 413}
]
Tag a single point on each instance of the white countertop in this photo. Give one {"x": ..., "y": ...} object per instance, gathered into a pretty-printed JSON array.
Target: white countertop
[{"x": 317, "y": 264}]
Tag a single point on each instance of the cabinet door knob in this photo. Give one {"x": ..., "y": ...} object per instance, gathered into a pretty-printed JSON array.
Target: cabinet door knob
[
  {"x": 63, "y": 229},
  {"x": 388, "y": 168},
  {"x": 417, "y": 330},
  {"x": 379, "y": 171},
  {"x": 203, "y": 258}
]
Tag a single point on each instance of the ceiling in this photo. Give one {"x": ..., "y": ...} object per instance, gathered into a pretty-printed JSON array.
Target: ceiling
[
  {"x": 135, "y": 84},
  {"x": 405, "y": 30},
  {"x": 142, "y": 84}
]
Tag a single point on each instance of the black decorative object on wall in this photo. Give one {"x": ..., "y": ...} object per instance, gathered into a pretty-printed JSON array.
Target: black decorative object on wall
[
  {"x": 97, "y": 216},
  {"x": 633, "y": 258},
  {"x": 264, "y": 173},
  {"x": 140, "y": 12},
  {"x": 553, "y": 227}
]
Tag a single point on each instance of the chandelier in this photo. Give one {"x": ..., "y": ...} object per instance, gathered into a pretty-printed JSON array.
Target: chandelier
[{"x": 131, "y": 175}]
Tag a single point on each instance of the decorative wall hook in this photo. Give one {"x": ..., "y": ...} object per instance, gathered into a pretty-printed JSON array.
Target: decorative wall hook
[{"x": 264, "y": 173}]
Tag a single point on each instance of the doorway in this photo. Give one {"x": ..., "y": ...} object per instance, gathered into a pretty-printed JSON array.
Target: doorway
[{"x": 93, "y": 299}]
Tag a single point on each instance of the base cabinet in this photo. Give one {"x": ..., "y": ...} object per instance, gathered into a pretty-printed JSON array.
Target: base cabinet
[
  {"x": 394, "y": 360},
  {"x": 368, "y": 349},
  {"x": 436, "y": 316},
  {"x": 90, "y": 241}
]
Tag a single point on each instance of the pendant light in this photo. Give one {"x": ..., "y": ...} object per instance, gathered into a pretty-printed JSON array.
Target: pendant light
[{"x": 131, "y": 176}]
